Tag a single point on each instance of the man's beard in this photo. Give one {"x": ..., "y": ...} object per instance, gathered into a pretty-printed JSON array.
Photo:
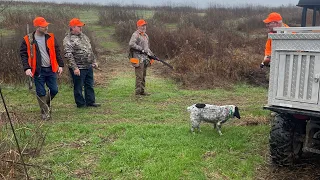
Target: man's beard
[{"x": 43, "y": 32}]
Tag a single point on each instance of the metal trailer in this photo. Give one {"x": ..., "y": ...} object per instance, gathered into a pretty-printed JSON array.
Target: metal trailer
[{"x": 294, "y": 89}]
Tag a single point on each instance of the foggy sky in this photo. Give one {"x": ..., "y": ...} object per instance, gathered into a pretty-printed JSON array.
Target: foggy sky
[{"x": 194, "y": 3}]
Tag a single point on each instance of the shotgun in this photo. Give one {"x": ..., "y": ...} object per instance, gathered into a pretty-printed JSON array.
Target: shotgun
[
  {"x": 30, "y": 78},
  {"x": 152, "y": 57}
]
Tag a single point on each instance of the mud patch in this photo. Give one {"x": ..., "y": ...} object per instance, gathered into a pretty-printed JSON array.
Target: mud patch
[
  {"x": 4, "y": 118},
  {"x": 82, "y": 173},
  {"x": 214, "y": 175},
  {"x": 307, "y": 169},
  {"x": 252, "y": 121},
  {"x": 209, "y": 154}
]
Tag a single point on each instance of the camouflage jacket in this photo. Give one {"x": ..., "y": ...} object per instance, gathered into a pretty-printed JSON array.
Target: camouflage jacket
[
  {"x": 140, "y": 41},
  {"x": 78, "y": 51}
]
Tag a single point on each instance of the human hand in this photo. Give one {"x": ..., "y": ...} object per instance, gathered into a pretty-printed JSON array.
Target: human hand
[
  {"x": 95, "y": 65},
  {"x": 135, "y": 65},
  {"x": 76, "y": 72},
  {"x": 60, "y": 71},
  {"x": 29, "y": 72}
]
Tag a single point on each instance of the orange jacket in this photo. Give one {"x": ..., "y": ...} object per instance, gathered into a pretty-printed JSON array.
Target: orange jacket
[
  {"x": 32, "y": 56},
  {"x": 268, "y": 49}
]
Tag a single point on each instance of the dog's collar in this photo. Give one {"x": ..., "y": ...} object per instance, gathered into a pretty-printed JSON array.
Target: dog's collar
[{"x": 230, "y": 111}]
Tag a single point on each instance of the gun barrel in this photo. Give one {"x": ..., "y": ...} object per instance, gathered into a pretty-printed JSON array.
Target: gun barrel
[{"x": 153, "y": 57}]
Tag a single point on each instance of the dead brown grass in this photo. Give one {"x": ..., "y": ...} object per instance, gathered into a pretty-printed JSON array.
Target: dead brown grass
[
  {"x": 31, "y": 135},
  {"x": 221, "y": 47},
  {"x": 306, "y": 169},
  {"x": 114, "y": 14},
  {"x": 11, "y": 70}
]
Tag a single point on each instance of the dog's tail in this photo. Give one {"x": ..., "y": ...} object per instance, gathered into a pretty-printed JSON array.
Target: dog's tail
[{"x": 189, "y": 108}]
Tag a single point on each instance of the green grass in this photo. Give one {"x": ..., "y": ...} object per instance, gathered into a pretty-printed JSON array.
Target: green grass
[
  {"x": 105, "y": 37},
  {"x": 145, "y": 14},
  {"x": 6, "y": 32},
  {"x": 89, "y": 16},
  {"x": 146, "y": 138},
  {"x": 171, "y": 26}
]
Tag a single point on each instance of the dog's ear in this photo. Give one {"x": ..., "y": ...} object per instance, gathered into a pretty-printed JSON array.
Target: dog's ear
[
  {"x": 236, "y": 112},
  {"x": 200, "y": 105}
]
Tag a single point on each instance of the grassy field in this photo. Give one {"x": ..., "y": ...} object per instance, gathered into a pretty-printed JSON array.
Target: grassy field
[{"x": 146, "y": 137}]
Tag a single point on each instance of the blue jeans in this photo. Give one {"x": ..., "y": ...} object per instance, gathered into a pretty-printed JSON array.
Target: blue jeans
[
  {"x": 46, "y": 76},
  {"x": 85, "y": 80}
]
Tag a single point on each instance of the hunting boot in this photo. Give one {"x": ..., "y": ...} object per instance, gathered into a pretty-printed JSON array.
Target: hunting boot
[
  {"x": 48, "y": 98},
  {"x": 48, "y": 101},
  {"x": 45, "y": 111}
]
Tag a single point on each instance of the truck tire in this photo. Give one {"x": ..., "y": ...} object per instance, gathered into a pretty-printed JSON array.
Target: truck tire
[{"x": 285, "y": 147}]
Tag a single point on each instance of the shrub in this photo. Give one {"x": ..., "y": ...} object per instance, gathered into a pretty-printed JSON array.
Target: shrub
[
  {"x": 236, "y": 66},
  {"x": 191, "y": 20},
  {"x": 250, "y": 24},
  {"x": 11, "y": 70},
  {"x": 31, "y": 138},
  {"x": 167, "y": 16},
  {"x": 115, "y": 14},
  {"x": 124, "y": 30}
]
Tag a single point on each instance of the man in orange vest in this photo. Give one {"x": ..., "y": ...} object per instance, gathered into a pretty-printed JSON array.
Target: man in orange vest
[
  {"x": 41, "y": 60},
  {"x": 139, "y": 52},
  {"x": 273, "y": 20}
]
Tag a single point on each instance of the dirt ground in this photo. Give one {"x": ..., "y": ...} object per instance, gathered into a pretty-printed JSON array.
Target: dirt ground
[{"x": 306, "y": 169}]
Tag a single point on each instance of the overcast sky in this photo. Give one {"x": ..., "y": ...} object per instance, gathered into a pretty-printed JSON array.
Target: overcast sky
[{"x": 195, "y": 3}]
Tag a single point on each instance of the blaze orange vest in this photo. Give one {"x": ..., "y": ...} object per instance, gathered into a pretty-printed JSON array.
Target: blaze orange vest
[
  {"x": 268, "y": 49},
  {"x": 32, "y": 57}
]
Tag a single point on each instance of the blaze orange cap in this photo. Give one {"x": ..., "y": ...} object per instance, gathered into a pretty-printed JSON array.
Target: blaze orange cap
[
  {"x": 40, "y": 21},
  {"x": 273, "y": 17},
  {"x": 76, "y": 22},
  {"x": 141, "y": 22}
]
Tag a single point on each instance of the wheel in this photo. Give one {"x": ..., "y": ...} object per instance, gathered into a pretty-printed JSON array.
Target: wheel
[{"x": 285, "y": 140}]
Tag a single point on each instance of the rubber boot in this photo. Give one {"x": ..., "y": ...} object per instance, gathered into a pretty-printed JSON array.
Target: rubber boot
[
  {"x": 45, "y": 111},
  {"x": 48, "y": 99}
]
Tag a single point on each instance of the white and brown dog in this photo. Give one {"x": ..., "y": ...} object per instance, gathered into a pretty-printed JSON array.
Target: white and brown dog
[{"x": 212, "y": 114}]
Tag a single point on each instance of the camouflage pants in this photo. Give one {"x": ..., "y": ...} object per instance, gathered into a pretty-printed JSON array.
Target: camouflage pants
[{"x": 141, "y": 73}]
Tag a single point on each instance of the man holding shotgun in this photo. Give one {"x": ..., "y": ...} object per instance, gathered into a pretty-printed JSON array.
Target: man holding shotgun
[
  {"x": 41, "y": 60},
  {"x": 139, "y": 56}
]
